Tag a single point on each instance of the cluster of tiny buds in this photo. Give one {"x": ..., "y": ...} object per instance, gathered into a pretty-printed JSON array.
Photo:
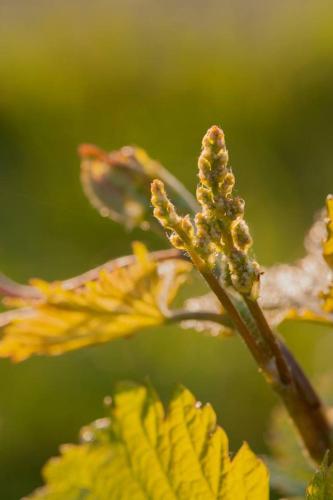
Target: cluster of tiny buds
[
  {"x": 219, "y": 229},
  {"x": 181, "y": 227},
  {"x": 164, "y": 210},
  {"x": 224, "y": 212}
]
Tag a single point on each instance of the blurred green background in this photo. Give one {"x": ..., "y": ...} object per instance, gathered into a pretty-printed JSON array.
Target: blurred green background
[{"x": 155, "y": 74}]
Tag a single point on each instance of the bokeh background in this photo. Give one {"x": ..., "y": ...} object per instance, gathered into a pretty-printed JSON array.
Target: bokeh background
[{"x": 156, "y": 74}]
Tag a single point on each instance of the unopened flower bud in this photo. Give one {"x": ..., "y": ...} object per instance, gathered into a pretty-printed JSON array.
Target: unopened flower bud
[
  {"x": 204, "y": 197},
  {"x": 187, "y": 226},
  {"x": 241, "y": 235},
  {"x": 214, "y": 140},
  {"x": 176, "y": 241},
  {"x": 235, "y": 207},
  {"x": 244, "y": 272},
  {"x": 204, "y": 171},
  {"x": 203, "y": 228},
  {"x": 227, "y": 184},
  {"x": 214, "y": 157}
]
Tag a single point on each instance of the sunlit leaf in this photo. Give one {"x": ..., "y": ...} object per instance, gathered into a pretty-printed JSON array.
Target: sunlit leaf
[
  {"x": 118, "y": 185},
  {"x": 321, "y": 486},
  {"x": 319, "y": 318},
  {"x": 328, "y": 244},
  {"x": 140, "y": 453},
  {"x": 115, "y": 305},
  {"x": 327, "y": 295}
]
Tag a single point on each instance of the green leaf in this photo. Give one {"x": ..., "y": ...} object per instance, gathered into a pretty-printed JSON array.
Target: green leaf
[
  {"x": 321, "y": 486},
  {"x": 117, "y": 304},
  {"x": 140, "y": 453}
]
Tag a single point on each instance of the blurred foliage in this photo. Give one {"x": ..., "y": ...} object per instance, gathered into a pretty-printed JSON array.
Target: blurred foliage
[{"x": 156, "y": 74}]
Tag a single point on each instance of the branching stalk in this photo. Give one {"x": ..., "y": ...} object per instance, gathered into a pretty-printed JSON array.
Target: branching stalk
[
  {"x": 301, "y": 400},
  {"x": 185, "y": 315},
  {"x": 219, "y": 238},
  {"x": 270, "y": 338},
  {"x": 299, "y": 397}
]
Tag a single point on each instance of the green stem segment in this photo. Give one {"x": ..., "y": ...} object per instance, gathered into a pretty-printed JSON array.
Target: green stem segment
[
  {"x": 306, "y": 410},
  {"x": 219, "y": 229},
  {"x": 188, "y": 315},
  {"x": 270, "y": 339},
  {"x": 279, "y": 367},
  {"x": 301, "y": 400},
  {"x": 299, "y": 397}
]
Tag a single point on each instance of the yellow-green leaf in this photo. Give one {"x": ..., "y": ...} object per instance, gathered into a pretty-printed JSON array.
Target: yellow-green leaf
[
  {"x": 328, "y": 301},
  {"x": 328, "y": 244},
  {"x": 140, "y": 453},
  {"x": 321, "y": 486},
  {"x": 305, "y": 315},
  {"x": 328, "y": 254},
  {"x": 117, "y": 304}
]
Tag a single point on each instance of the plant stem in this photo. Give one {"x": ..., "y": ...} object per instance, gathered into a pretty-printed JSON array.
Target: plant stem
[
  {"x": 185, "y": 315},
  {"x": 259, "y": 352},
  {"x": 300, "y": 399},
  {"x": 306, "y": 410},
  {"x": 302, "y": 402},
  {"x": 258, "y": 315},
  {"x": 277, "y": 364}
]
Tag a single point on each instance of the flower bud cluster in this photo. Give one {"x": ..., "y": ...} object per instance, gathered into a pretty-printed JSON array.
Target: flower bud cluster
[
  {"x": 224, "y": 213},
  {"x": 164, "y": 210},
  {"x": 181, "y": 227},
  {"x": 219, "y": 230}
]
